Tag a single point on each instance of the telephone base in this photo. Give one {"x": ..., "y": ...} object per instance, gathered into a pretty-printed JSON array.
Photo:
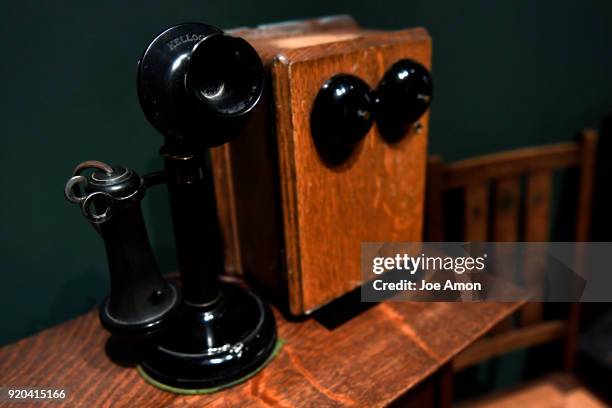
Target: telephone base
[{"x": 205, "y": 347}]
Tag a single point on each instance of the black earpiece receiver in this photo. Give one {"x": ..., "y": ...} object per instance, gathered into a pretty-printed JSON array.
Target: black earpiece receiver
[
  {"x": 342, "y": 114},
  {"x": 140, "y": 300},
  {"x": 198, "y": 87},
  {"x": 402, "y": 97},
  {"x": 343, "y": 111}
]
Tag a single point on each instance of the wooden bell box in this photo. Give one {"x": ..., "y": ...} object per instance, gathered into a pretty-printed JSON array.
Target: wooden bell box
[{"x": 290, "y": 220}]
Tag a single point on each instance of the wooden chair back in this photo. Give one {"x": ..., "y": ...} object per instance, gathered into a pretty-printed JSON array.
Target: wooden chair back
[{"x": 494, "y": 211}]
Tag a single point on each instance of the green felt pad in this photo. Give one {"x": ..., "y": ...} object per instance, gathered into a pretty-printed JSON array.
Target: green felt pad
[{"x": 197, "y": 391}]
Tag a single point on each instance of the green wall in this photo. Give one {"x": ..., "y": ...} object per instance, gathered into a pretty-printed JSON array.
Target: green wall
[{"x": 507, "y": 75}]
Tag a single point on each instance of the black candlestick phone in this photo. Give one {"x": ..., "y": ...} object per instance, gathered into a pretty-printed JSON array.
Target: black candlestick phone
[{"x": 197, "y": 86}]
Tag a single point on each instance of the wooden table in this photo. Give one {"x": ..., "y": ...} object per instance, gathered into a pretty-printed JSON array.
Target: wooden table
[{"x": 373, "y": 359}]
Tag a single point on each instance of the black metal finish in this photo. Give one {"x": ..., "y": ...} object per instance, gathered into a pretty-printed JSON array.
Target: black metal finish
[
  {"x": 197, "y": 86},
  {"x": 140, "y": 300},
  {"x": 196, "y": 228},
  {"x": 209, "y": 347},
  {"x": 345, "y": 108},
  {"x": 403, "y": 94},
  {"x": 342, "y": 112}
]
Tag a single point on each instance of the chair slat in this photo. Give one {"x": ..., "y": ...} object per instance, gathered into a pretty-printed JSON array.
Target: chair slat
[
  {"x": 537, "y": 229},
  {"x": 588, "y": 150},
  {"x": 537, "y": 206},
  {"x": 476, "y": 212},
  {"x": 507, "y": 199},
  {"x": 505, "y": 229}
]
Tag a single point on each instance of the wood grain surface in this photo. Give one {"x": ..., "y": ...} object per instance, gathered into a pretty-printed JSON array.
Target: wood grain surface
[
  {"x": 298, "y": 222},
  {"x": 376, "y": 195},
  {"x": 371, "y": 360},
  {"x": 246, "y": 169}
]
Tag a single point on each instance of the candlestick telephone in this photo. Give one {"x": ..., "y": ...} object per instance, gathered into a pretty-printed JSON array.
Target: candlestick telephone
[{"x": 199, "y": 87}]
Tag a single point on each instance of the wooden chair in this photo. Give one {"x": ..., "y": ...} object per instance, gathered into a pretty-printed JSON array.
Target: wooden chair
[
  {"x": 496, "y": 179},
  {"x": 555, "y": 390}
]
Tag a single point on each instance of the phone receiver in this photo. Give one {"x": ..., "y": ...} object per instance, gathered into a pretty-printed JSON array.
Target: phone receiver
[{"x": 140, "y": 299}]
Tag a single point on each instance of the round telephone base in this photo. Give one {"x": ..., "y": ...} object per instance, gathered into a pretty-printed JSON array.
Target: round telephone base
[{"x": 206, "y": 347}]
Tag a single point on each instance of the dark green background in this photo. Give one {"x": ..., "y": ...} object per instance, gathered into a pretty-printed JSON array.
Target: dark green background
[{"x": 507, "y": 75}]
